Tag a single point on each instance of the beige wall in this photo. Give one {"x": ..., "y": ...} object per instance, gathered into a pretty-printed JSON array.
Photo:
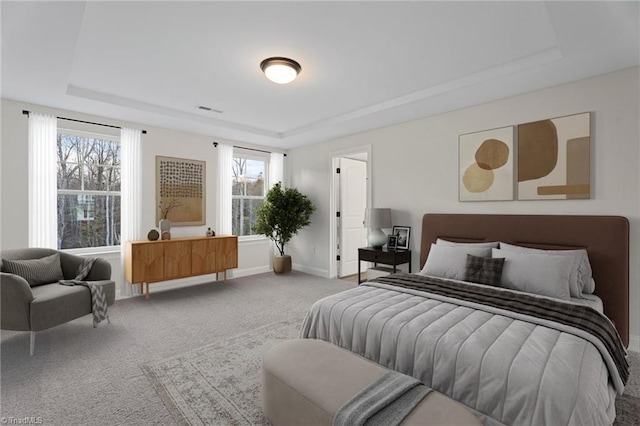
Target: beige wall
[
  {"x": 415, "y": 166},
  {"x": 254, "y": 256}
]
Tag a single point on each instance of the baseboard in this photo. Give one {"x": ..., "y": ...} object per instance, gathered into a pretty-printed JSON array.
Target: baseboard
[
  {"x": 311, "y": 270},
  {"x": 182, "y": 282},
  {"x": 237, "y": 273},
  {"x": 201, "y": 279},
  {"x": 634, "y": 343}
]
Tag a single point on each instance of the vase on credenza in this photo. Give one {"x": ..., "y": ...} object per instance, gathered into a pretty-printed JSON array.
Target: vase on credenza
[
  {"x": 153, "y": 235},
  {"x": 165, "y": 229}
]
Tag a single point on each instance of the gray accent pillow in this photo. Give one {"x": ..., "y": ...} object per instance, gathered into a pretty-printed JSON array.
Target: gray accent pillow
[
  {"x": 446, "y": 261},
  {"x": 581, "y": 281},
  {"x": 492, "y": 244},
  {"x": 36, "y": 271},
  {"x": 484, "y": 270},
  {"x": 536, "y": 273}
]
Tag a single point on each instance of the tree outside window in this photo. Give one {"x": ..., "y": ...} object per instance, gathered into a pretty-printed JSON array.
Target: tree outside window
[
  {"x": 248, "y": 192},
  {"x": 88, "y": 191}
]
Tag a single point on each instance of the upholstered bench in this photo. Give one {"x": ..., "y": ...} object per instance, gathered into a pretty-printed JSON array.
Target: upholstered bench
[{"x": 306, "y": 381}]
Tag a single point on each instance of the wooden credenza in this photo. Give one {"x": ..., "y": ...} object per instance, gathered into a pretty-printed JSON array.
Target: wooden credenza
[{"x": 152, "y": 261}]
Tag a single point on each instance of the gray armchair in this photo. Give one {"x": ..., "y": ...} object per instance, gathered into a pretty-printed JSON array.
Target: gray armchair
[{"x": 33, "y": 308}]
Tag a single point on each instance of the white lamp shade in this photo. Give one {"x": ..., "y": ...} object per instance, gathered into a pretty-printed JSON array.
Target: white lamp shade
[{"x": 377, "y": 218}]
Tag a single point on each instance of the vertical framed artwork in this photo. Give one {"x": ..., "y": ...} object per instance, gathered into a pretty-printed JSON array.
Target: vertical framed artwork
[
  {"x": 392, "y": 241},
  {"x": 485, "y": 165},
  {"x": 554, "y": 158},
  {"x": 180, "y": 183},
  {"x": 402, "y": 234}
]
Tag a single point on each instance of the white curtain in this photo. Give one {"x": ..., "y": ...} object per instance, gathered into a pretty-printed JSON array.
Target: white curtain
[
  {"x": 42, "y": 168},
  {"x": 131, "y": 194},
  {"x": 276, "y": 169},
  {"x": 224, "y": 189}
]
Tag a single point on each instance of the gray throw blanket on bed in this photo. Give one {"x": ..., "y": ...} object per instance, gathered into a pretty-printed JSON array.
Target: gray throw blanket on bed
[
  {"x": 98, "y": 297},
  {"x": 384, "y": 402}
]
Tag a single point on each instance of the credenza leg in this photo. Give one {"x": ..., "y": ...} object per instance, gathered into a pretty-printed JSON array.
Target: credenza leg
[
  {"x": 147, "y": 293},
  {"x": 225, "y": 276}
]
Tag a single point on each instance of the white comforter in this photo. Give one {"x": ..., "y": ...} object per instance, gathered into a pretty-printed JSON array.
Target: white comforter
[{"x": 509, "y": 371}]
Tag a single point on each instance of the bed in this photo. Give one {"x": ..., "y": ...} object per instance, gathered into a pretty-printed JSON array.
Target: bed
[{"x": 511, "y": 362}]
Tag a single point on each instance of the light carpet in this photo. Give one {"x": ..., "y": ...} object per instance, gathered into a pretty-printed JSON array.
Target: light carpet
[
  {"x": 85, "y": 376},
  {"x": 80, "y": 375},
  {"x": 628, "y": 405},
  {"x": 219, "y": 384}
]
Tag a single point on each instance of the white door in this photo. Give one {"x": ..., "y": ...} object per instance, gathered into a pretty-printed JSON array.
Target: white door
[{"x": 353, "y": 201}]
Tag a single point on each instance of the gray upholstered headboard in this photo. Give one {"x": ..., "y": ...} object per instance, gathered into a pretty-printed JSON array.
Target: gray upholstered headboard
[{"x": 606, "y": 239}]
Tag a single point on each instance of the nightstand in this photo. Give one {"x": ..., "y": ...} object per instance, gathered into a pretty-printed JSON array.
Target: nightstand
[{"x": 384, "y": 256}]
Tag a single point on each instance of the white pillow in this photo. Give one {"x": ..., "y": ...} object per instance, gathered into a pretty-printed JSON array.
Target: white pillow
[
  {"x": 453, "y": 243},
  {"x": 446, "y": 261},
  {"x": 590, "y": 288},
  {"x": 536, "y": 273},
  {"x": 581, "y": 275}
]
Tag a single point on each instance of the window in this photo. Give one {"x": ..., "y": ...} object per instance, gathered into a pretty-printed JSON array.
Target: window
[
  {"x": 248, "y": 191},
  {"x": 88, "y": 190},
  {"x": 86, "y": 207}
]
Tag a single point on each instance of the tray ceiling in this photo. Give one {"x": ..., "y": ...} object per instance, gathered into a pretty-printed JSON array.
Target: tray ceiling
[{"x": 364, "y": 64}]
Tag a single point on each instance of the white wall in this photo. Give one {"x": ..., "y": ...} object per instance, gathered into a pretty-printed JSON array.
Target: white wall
[
  {"x": 415, "y": 166},
  {"x": 414, "y": 170},
  {"x": 253, "y": 257}
]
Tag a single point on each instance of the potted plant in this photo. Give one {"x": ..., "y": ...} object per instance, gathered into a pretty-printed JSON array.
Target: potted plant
[{"x": 283, "y": 213}]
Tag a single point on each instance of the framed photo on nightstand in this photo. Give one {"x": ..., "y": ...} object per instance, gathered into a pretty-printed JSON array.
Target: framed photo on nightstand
[
  {"x": 392, "y": 241},
  {"x": 402, "y": 234}
]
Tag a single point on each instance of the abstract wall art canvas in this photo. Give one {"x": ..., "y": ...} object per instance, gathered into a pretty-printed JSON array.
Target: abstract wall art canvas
[
  {"x": 181, "y": 182},
  {"x": 554, "y": 158},
  {"x": 485, "y": 162}
]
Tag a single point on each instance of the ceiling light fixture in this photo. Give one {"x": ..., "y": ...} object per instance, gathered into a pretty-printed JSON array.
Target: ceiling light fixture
[{"x": 280, "y": 70}]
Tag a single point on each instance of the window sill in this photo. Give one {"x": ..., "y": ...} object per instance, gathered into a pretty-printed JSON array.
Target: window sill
[
  {"x": 94, "y": 251},
  {"x": 252, "y": 238}
]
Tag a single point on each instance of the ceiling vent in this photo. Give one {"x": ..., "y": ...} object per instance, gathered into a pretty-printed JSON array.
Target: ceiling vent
[{"x": 206, "y": 108}]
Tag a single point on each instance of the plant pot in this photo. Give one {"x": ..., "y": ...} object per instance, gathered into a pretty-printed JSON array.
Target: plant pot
[{"x": 282, "y": 264}]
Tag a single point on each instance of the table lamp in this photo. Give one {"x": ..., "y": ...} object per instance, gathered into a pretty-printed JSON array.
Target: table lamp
[{"x": 374, "y": 220}]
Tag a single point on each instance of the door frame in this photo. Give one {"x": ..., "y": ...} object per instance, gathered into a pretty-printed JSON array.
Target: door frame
[{"x": 334, "y": 199}]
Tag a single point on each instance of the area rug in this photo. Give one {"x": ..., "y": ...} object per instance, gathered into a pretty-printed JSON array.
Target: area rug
[{"x": 219, "y": 384}]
